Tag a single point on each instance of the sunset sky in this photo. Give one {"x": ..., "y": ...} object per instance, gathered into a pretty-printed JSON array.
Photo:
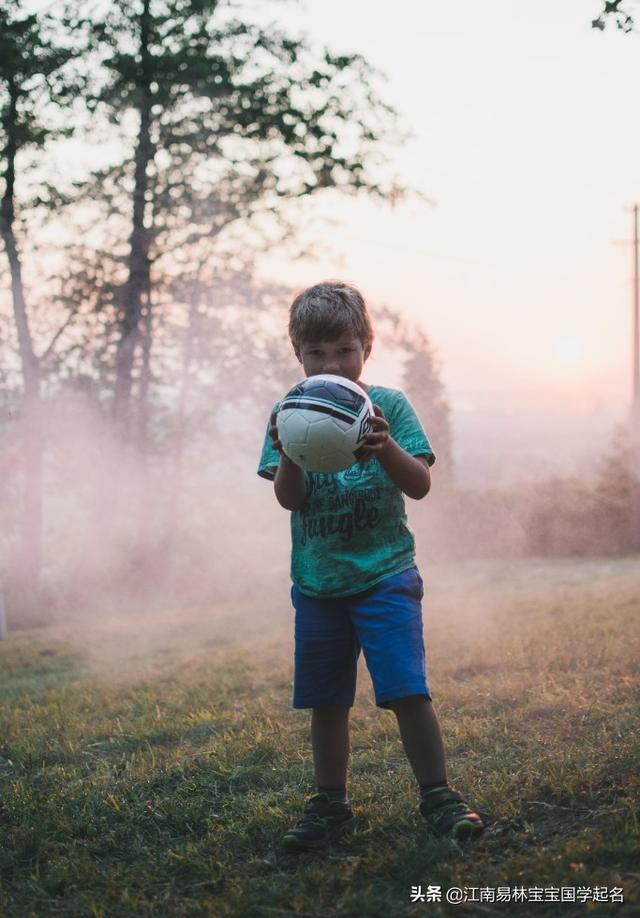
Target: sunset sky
[{"x": 527, "y": 137}]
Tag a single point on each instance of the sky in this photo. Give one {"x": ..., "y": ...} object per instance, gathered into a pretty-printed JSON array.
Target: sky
[{"x": 526, "y": 139}]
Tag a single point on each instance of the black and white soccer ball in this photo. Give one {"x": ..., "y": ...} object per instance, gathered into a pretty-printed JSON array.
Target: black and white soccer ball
[{"x": 323, "y": 421}]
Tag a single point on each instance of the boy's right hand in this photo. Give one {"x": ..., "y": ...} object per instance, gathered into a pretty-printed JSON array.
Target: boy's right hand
[
  {"x": 289, "y": 481},
  {"x": 273, "y": 433}
]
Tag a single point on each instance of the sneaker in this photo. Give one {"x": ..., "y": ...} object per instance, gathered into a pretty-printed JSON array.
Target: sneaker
[
  {"x": 323, "y": 820},
  {"x": 448, "y": 815}
]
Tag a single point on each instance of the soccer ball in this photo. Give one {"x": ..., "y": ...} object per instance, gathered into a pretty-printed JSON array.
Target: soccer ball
[{"x": 322, "y": 422}]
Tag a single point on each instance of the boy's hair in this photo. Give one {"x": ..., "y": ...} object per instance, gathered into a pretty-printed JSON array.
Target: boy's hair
[{"x": 328, "y": 310}]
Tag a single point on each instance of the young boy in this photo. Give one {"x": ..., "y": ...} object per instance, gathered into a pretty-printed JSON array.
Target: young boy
[{"x": 355, "y": 583}]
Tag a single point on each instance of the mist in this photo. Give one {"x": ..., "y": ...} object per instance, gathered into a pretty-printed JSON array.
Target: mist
[{"x": 181, "y": 521}]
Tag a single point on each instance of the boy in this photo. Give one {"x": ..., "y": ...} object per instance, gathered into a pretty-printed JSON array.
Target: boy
[{"x": 355, "y": 583}]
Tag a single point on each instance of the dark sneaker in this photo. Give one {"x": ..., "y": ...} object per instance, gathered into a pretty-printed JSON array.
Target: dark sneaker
[
  {"x": 448, "y": 815},
  {"x": 323, "y": 820}
]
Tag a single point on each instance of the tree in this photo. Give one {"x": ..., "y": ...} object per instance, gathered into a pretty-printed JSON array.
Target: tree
[
  {"x": 31, "y": 65},
  {"x": 421, "y": 381},
  {"x": 615, "y": 490},
  {"x": 425, "y": 389},
  {"x": 234, "y": 121}
]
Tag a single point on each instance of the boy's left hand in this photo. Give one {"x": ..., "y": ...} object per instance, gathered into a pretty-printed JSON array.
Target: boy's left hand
[{"x": 377, "y": 438}]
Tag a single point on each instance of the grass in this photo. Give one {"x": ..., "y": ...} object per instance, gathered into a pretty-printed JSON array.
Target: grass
[{"x": 148, "y": 766}]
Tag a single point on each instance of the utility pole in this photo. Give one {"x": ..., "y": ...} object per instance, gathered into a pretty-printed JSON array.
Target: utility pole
[
  {"x": 634, "y": 420},
  {"x": 635, "y": 389},
  {"x": 3, "y": 617}
]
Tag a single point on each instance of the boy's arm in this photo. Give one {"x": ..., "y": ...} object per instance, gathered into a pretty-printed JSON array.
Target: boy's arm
[
  {"x": 289, "y": 483},
  {"x": 409, "y": 473}
]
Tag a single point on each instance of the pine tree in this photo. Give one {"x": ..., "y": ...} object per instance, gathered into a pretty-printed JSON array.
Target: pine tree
[
  {"x": 32, "y": 63},
  {"x": 422, "y": 383},
  {"x": 234, "y": 121}
]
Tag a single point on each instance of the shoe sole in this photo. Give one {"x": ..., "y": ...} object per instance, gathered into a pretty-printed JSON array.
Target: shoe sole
[{"x": 293, "y": 843}]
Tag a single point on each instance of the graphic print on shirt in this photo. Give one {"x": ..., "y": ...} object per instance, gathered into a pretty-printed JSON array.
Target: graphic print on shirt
[{"x": 341, "y": 504}]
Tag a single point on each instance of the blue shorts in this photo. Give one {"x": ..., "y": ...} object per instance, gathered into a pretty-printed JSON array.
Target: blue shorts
[{"x": 385, "y": 621}]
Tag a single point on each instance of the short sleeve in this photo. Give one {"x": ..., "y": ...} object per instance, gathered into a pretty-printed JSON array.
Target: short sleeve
[
  {"x": 270, "y": 457},
  {"x": 406, "y": 429}
]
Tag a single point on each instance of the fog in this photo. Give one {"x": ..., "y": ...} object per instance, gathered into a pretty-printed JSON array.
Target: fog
[{"x": 182, "y": 526}]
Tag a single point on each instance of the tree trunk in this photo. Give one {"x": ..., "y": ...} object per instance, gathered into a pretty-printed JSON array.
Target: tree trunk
[
  {"x": 145, "y": 373},
  {"x": 30, "y": 551},
  {"x": 137, "y": 287},
  {"x": 173, "y": 506}
]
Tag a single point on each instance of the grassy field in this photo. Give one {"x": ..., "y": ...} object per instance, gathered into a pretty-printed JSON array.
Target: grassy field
[{"x": 149, "y": 765}]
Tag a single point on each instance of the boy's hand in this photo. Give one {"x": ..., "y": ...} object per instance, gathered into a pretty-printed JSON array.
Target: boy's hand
[
  {"x": 289, "y": 482},
  {"x": 273, "y": 433},
  {"x": 377, "y": 439}
]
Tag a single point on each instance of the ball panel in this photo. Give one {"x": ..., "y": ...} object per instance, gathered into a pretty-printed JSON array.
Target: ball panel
[
  {"x": 338, "y": 393},
  {"x": 292, "y": 425}
]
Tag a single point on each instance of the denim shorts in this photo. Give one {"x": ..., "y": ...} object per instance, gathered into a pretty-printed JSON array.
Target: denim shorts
[{"x": 385, "y": 621}]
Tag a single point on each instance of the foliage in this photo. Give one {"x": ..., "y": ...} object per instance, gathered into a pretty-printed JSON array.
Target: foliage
[
  {"x": 34, "y": 77},
  {"x": 223, "y": 121},
  {"x": 420, "y": 380},
  {"x": 423, "y": 385},
  {"x": 617, "y": 10}
]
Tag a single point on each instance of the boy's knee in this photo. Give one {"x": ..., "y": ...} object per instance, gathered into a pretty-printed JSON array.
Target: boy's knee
[
  {"x": 408, "y": 703},
  {"x": 331, "y": 711}
]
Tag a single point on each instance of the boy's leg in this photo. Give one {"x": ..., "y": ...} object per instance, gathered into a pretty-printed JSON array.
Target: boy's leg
[
  {"x": 330, "y": 742},
  {"x": 326, "y": 656},
  {"x": 443, "y": 807},
  {"x": 388, "y": 621},
  {"x": 326, "y": 659},
  {"x": 421, "y": 738},
  {"x": 328, "y": 813}
]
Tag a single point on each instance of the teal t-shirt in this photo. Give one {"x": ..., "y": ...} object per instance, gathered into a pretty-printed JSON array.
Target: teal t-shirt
[{"x": 351, "y": 532}]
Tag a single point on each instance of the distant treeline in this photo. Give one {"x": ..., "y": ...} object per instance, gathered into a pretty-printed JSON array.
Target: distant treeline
[{"x": 555, "y": 517}]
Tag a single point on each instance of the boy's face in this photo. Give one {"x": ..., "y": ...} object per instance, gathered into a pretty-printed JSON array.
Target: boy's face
[{"x": 343, "y": 357}]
